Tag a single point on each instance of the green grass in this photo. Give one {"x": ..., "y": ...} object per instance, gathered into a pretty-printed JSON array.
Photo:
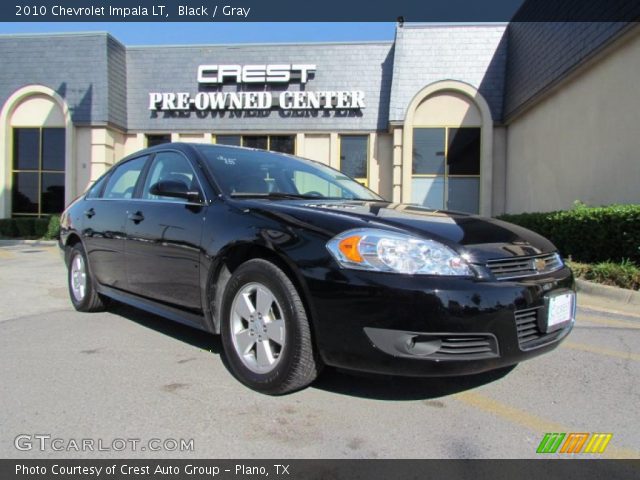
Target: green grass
[{"x": 624, "y": 274}]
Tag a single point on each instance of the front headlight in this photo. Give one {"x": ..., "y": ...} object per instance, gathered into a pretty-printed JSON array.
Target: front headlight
[{"x": 385, "y": 251}]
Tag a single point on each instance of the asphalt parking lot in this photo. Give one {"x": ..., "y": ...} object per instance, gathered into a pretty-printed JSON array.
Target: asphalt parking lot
[{"x": 126, "y": 374}]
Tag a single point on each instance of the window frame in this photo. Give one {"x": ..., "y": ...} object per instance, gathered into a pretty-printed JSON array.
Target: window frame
[{"x": 39, "y": 171}]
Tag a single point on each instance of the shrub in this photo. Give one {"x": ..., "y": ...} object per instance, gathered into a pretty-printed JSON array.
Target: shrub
[
  {"x": 40, "y": 227},
  {"x": 8, "y": 228},
  {"x": 26, "y": 227},
  {"x": 588, "y": 234},
  {"x": 46, "y": 228},
  {"x": 53, "y": 228}
]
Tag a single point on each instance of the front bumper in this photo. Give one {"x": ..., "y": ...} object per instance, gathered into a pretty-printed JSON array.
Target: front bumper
[{"x": 427, "y": 326}]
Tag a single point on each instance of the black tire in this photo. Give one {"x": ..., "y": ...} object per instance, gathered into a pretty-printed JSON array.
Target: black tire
[
  {"x": 91, "y": 301},
  {"x": 297, "y": 365}
]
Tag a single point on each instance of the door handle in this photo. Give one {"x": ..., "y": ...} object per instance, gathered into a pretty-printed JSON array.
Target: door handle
[
  {"x": 89, "y": 213},
  {"x": 136, "y": 217}
]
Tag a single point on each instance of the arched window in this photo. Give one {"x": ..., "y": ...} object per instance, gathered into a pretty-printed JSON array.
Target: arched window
[{"x": 35, "y": 137}]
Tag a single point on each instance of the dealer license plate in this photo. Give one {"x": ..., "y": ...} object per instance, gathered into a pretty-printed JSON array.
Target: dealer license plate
[{"x": 560, "y": 310}]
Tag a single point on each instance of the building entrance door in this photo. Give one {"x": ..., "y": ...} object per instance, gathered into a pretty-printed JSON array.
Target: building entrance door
[{"x": 446, "y": 168}]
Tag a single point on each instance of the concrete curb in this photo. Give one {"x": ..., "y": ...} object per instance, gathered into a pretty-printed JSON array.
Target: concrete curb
[
  {"x": 620, "y": 295},
  {"x": 36, "y": 243}
]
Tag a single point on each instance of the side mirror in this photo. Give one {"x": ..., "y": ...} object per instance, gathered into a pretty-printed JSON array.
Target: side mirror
[{"x": 174, "y": 189}]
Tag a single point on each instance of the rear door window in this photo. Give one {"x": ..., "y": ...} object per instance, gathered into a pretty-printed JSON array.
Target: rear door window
[{"x": 122, "y": 182}]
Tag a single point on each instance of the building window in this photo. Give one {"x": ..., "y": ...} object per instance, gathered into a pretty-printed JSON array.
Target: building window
[
  {"x": 282, "y": 143},
  {"x": 354, "y": 153},
  {"x": 38, "y": 171},
  {"x": 234, "y": 140},
  {"x": 256, "y": 141},
  {"x": 274, "y": 143},
  {"x": 153, "y": 140},
  {"x": 446, "y": 168}
]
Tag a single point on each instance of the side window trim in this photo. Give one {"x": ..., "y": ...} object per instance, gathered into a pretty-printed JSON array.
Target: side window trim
[{"x": 137, "y": 191}]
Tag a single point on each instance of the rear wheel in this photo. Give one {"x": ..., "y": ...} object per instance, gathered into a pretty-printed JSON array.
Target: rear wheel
[
  {"x": 265, "y": 330},
  {"x": 82, "y": 291}
]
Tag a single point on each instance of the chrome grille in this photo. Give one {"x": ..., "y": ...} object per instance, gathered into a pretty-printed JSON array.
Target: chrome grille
[
  {"x": 517, "y": 267},
  {"x": 529, "y": 333}
]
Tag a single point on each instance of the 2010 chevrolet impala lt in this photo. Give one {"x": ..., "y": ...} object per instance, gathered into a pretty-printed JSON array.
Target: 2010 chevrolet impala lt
[{"x": 297, "y": 266}]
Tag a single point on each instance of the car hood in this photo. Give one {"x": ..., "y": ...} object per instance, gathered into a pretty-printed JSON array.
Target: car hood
[{"x": 480, "y": 237}]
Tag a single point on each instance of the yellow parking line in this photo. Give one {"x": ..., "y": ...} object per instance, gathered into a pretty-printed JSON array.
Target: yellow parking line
[
  {"x": 532, "y": 422},
  {"x": 507, "y": 412},
  {"x": 610, "y": 323},
  {"x": 6, "y": 254},
  {"x": 602, "y": 351}
]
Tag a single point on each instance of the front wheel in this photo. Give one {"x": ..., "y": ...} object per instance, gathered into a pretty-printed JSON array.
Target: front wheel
[
  {"x": 82, "y": 291},
  {"x": 265, "y": 330}
]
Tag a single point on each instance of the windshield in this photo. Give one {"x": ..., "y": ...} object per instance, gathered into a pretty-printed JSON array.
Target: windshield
[{"x": 242, "y": 172}]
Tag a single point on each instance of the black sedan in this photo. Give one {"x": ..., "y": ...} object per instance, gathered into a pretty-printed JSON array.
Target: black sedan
[{"x": 297, "y": 266}]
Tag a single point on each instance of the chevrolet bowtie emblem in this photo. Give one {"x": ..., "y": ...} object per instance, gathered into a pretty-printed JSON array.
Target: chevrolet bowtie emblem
[{"x": 539, "y": 264}]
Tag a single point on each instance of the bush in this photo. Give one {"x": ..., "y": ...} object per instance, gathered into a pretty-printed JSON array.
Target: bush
[
  {"x": 589, "y": 234},
  {"x": 53, "y": 228},
  {"x": 8, "y": 228},
  {"x": 625, "y": 274},
  {"x": 26, "y": 227},
  {"x": 40, "y": 227},
  {"x": 46, "y": 228}
]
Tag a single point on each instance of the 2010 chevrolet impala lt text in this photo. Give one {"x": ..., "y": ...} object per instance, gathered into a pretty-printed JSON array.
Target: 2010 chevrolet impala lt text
[{"x": 297, "y": 266}]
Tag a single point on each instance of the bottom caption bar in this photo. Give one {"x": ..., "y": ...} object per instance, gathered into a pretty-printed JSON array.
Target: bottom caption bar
[{"x": 319, "y": 469}]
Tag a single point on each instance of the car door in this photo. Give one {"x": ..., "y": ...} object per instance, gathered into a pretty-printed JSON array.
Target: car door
[
  {"x": 103, "y": 225},
  {"x": 163, "y": 236}
]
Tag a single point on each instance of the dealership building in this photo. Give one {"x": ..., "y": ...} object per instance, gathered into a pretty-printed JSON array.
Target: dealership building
[{"x": 487, "y": 119}]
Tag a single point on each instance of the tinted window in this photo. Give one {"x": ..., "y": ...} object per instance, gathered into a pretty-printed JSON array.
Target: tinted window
[
  {"x": 122, "y": 181},
  {"x": 260, "y": 141},
  {"x": 234, "y": 140},
  {"x": 428, "y": 151},
  {"x": 153, "y": 140},
  {"x": 38, "y": 171},
  {"x": 53, "y": 149},
  {"x": 25, "y": 192},
  {"x": 463, "y": 156},
  {"x": 26, "y": 148},
  {"x": 282, "y": 143},
  {"x": 171, "y": 166},
  {"x": 353, "y": 155},
  {"x": 52, "y": 190}
]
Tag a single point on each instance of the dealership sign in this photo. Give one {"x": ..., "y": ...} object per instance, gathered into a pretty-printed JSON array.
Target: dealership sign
[{"x": 216, "y": 75}]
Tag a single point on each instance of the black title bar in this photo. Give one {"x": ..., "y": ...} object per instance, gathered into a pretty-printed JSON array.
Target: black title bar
[{"x": 320, "y": 10}]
